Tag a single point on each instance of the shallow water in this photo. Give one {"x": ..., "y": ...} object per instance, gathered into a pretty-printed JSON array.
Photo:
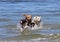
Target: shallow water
[{"x": 11, "y": 13}]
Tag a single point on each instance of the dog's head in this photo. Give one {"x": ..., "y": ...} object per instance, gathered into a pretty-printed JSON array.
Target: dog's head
[
  {"x": 27, "y": 16},
  {"x": 37, "y": 19}
]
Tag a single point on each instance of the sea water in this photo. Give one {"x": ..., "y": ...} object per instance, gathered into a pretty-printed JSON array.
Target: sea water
[{"x": 11, "y": 13}]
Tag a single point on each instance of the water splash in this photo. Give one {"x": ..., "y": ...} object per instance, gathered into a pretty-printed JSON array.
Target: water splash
[{"x": 29, "y": 28}]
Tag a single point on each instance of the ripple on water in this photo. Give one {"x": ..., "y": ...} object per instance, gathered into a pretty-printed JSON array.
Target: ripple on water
[
  {"x": 4, "y": 19},
  {"x": 33, "y": 38}
]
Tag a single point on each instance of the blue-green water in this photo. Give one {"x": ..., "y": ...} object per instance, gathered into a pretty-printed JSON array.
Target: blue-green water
[{"x": 11, "y": 13}]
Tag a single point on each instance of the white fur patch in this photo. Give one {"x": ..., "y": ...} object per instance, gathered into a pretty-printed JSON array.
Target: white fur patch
[{"x": 37, "y": 18}]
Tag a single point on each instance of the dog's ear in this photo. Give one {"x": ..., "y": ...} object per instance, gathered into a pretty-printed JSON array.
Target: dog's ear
[{"x": 27, "y": 16}]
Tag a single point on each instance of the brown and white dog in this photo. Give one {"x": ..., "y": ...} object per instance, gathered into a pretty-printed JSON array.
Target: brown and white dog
[
  {"x": 29, "y": 22},
  {"x": 26, "y": 22}
]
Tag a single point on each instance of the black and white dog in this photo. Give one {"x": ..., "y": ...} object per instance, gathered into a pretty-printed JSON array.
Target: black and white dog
[{"x": 30, "y": 23}]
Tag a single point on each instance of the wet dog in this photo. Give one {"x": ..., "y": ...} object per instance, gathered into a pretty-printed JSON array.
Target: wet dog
[
  {"x": 26, "y": 22},
  {"x": 36, "y": 20},
  {"x": 29, "y": 22}
]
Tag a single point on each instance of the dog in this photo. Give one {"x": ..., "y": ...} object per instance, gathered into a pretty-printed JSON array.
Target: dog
[
  {"x": 29, "y": 22},
  {"x": 36, "y": 20}
]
